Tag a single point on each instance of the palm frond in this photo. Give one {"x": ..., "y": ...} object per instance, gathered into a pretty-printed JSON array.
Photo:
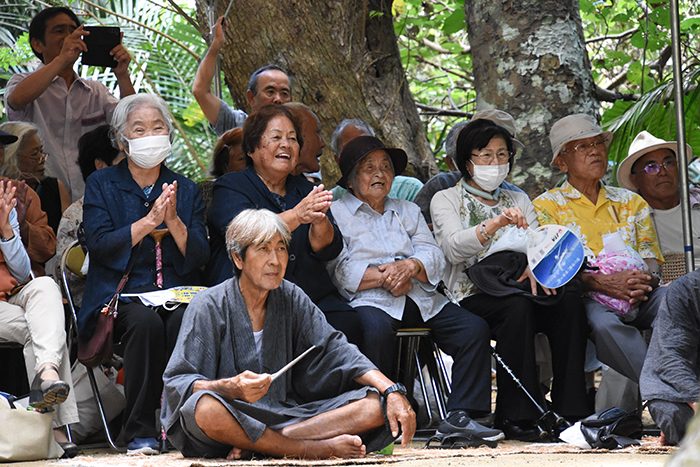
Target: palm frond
[{"x": 655, "y": 113}]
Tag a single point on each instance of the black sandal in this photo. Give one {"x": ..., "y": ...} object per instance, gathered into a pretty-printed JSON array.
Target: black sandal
[{"x": 457, "y": 441}]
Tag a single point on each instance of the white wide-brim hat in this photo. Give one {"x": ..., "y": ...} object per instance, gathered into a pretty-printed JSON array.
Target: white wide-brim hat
[
  {"x": 643, "y": 143},
  {"x": 572, "y": 128}
]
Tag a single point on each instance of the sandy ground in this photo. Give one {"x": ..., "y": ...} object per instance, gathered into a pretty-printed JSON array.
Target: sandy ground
[{"x": 509, "y": 453}]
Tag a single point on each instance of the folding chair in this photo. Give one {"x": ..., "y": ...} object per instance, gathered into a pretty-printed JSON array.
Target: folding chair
[
  {"x": 70, "y": 264},
  {"x": 410, "y": 361}
]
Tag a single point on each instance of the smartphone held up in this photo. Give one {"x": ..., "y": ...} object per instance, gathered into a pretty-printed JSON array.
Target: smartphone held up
[{"x": 100, "y": 41}]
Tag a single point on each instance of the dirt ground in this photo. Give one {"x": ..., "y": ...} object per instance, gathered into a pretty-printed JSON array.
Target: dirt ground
[{"x": 508, "y": 453}]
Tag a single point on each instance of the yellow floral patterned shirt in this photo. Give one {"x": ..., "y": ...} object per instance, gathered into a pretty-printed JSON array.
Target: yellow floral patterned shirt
[{"x": 617, "y": 210}]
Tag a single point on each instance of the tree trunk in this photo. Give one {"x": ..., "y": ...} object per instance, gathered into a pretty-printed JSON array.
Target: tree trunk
[
  {"x": 343, "y": 60},
  {"x": 530, "y": 59}
]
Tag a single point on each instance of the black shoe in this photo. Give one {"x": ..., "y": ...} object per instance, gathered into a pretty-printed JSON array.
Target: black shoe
[
  {"x": 523, "y": 431},
  {"x": 459, "y": 423},
  {"x": 70, "y": 450}
]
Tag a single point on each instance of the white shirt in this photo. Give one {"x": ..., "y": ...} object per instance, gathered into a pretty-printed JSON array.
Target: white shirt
[
  {"x": 370, "y": 239},
  {"x": 669, "y": 230}
]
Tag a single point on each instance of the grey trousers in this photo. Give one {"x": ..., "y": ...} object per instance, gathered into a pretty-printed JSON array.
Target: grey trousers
[{"x": 620, "y": 345}]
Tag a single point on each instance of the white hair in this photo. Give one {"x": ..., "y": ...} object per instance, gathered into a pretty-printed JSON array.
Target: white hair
[
  {"x": 23, "y": 131},
  {"x": 130, "y": 103},
  {"x": 254, "y": 227}
]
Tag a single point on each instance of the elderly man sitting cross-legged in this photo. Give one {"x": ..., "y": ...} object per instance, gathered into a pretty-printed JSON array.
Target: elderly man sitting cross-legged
[{"x": 219, "y": 395}]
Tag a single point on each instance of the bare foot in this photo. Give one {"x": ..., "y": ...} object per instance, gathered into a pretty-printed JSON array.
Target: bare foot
[
  {"x": 237, "y": 453},
  {"x": 342, "y": 446},
  {"x": 662, "y": 439}
]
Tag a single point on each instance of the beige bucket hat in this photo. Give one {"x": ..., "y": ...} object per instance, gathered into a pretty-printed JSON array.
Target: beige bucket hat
[
  {"x": 500, "y": 118},
  {"x": 574, "y": 127}
]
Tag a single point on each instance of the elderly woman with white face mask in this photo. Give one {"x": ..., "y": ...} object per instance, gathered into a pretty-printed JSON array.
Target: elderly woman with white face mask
[
  {"x": 141, "y": 209},
  {"x": 467, "y": 219}
]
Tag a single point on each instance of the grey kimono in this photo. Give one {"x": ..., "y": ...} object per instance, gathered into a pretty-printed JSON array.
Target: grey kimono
[
  {"x": 669, "y": 379},
  {"x": 216, "y": 341},
  {"x": 672, "y": 366}
]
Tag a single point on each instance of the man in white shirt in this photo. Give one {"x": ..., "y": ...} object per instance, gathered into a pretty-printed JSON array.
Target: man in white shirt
[
  {"x": 56, "y": 99},
  {"x": 651, "y": 169}
]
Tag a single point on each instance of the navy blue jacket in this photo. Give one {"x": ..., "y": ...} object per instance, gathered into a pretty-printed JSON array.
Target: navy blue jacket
[
  {"x": 114, "y": 201},
  {"x": 237, "y": 191}
]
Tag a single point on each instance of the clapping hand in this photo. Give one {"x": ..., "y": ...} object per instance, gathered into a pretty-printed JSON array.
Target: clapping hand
[
  {"x": 164, "y": 207},
  {"x": 171, "y": 202},
  {"x": 7, "y": 203},
  {"x": 313, "y": 208}
]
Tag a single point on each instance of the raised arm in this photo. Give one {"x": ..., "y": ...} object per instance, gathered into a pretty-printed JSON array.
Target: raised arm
[
  {"x": 201, "y": 88},
  {"x": 13, "y": 251},
  {"x": 121, "y": 71},
  {"x": 36, "y": 83},
  {"x": 312, "y": 210}
]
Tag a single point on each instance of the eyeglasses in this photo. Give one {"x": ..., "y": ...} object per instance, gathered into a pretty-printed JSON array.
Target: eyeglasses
[
  {"x": 585, "y": 148},
  {"x": 487, "y": 157},
  {"x": 653, "y": 167}
]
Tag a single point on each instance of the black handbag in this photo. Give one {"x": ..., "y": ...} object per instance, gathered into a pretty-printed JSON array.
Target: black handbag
[{"x": 612, "y": 429}]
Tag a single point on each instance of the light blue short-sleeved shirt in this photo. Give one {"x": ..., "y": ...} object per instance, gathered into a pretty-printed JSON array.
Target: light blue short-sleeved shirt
[{"x": 372, "y": 238}]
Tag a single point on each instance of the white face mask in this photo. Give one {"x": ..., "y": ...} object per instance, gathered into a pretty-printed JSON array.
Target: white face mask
[
  {"x": 149, "y": 151},
  {"x": 489, "y": 177}
]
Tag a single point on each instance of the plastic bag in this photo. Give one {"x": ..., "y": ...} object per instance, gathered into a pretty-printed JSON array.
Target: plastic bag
[
  {"x": 26, "y": 434},
  {"x": 616, "y": 257},
  {"x": 512, "y": 239}
]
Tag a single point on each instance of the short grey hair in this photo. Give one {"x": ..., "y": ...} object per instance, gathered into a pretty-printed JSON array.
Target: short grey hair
[
  {"x": 357, "y": 123},
  {"x": 10, "y": 163},
  {"x": 451, "y": 139},
  {"x": 254, "y": 227},
  {"x": 130, "y": 103}
]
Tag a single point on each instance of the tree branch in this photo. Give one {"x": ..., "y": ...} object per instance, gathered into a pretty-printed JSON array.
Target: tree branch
[
  {"x": 439, "y": 49},
  {"x": 430, "y": 110},
  {"x": 155, "y": 31},
  {"x": 618, "y": 36},
  {"x": 443, "y": 68},
  {"x": 617, "y": 80},
  {"x": 607, "y": 95},
  {"x": 184, "y": 14},
  {"x": 664, "y": 57}
]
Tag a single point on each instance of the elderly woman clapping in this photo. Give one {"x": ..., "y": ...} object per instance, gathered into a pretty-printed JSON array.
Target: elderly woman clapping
[
  {"x": 272, "y": 140},
  {"x": 468, "y": 219},
  {"x": 142, "y": 215},
  {"x": 389, "y": 271},
  {"x": 220, "y": 397},
  {"x": 611, "y": 219}
]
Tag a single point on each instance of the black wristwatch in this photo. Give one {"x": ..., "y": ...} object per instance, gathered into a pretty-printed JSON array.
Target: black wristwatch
[{"x": 396, "y": 387}]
